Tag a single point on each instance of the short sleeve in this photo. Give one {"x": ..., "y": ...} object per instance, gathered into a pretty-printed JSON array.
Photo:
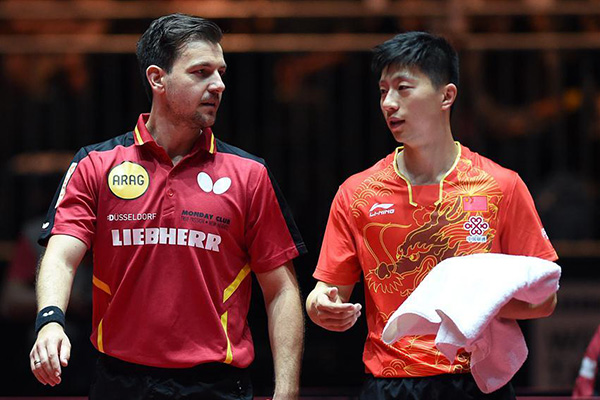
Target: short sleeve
[
  {"x": 522, "y": 232},
  {"x": 338, "y": 261},
  {"x": 272, "y": 237},
  {"x": 73, "y": 210}
]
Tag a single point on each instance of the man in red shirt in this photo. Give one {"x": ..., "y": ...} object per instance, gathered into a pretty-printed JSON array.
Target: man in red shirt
[
  {"x": 587, "y": 383},
  {"x": 429, "y": 200},
  {"x": 176, "y": 220}
]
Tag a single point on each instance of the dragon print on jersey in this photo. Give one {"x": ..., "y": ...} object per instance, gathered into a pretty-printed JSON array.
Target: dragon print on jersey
[{"x": 406, "y": 245}]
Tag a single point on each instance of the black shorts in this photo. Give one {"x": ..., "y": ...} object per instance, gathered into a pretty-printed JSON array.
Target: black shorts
[
  {"x": 120, "y": 380},
  {"x": 446, "y": 387}
]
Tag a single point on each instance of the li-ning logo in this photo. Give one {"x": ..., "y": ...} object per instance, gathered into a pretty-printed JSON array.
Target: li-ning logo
[
  {"x": 476, "y": 227},
  {"x": 219, "y": 187},
  {"x": 385, "y": 209}
]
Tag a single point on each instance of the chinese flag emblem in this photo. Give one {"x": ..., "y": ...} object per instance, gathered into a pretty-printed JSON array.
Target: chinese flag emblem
[{"x": 475, "y": 203}]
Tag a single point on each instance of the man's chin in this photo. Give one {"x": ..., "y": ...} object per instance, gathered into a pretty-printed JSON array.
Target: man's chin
[{"x": 205, "y": 121}]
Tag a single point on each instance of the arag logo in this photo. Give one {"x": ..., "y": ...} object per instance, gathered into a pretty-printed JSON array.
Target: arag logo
[{"x": 128, "y": 180}]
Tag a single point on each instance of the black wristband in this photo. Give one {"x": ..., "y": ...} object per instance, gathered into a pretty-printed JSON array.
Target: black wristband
[{"x": 47, "y": 315}]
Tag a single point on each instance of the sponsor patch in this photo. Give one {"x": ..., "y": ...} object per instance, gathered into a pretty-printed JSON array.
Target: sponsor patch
[
  {"x": 117, "y": 217},
  {"x": 219, "y": 187},
  {"x": 63, "y": 188},
  {"x": 381, "y": 209},
  {"x": 476, "y": 227},
  {"x": 128, "y": 180},
  {"x": 475, "y": 203},
  {"x": 165, "y": 236}
]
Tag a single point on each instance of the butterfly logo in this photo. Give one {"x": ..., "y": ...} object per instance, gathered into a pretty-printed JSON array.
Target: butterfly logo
[{"x": 219, "y": 187}]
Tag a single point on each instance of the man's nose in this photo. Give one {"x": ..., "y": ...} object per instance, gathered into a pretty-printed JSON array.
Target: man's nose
[
  {"x": 217, "y": 85},
  {"x": 389, "y": 102}
]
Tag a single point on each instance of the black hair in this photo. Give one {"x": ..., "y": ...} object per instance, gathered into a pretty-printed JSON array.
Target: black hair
[
  {"x": 432, "y": 55},
  {"x": 166, "y": 36}
]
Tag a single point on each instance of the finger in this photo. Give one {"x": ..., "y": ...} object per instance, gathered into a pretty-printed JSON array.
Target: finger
[
  {"x": 65, "y": 352},
  {"x": 42, "y": 368},
  {"x": 50, "y": 364},
  {"x": 324, "y": 304},
  {"x": 338, "y": 307},
  {"x": 36, "y": 367},
  {"x": 340, "y": 321},
  {"x": 332, "y": 293},
  {"x": 326, "y": 315},
  {"x": 344, "y": 327},
  {"x": 54, "y": 363}
]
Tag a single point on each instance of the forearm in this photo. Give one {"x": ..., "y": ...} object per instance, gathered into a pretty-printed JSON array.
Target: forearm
[
  {"x": 517, "y": 309},
  {"x": 286, "y": 332},
  {"x": 57, "y": 270}
]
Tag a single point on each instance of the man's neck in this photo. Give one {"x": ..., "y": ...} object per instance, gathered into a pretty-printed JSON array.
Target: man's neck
[
  {"x": 427, "y": 165},
  {"x": 176, "y": 138}
]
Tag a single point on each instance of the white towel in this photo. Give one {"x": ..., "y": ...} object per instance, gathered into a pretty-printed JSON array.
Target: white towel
[{"x": 459, "y": 299}]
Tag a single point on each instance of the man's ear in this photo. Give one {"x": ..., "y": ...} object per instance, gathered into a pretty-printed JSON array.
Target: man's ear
[
  {"x": 450, "y": 92},
  {"x": 155, "y": 76}
]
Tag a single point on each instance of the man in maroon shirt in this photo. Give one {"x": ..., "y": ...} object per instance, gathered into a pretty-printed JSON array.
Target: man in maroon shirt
[{"x": 177, "y": 220}]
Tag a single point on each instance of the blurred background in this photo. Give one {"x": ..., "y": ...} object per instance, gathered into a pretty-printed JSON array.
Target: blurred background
[{"x": 301, "y": 95}]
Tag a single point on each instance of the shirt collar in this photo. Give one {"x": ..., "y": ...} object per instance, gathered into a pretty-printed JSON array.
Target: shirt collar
[{"x": 141, "y": 136}]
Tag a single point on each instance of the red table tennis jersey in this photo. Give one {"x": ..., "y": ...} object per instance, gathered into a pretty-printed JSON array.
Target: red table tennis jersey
[
  {"x": 393, "y": 234},
  {"x": 173, "y": 245}
]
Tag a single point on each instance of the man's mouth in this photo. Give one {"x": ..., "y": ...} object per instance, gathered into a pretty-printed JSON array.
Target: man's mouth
[{"x": 395, "y": 122}]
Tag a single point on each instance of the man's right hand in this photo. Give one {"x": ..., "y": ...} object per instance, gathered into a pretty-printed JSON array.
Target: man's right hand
[
  {"x": 50, "y": 352},
  {"x": 327, "y": 307}
]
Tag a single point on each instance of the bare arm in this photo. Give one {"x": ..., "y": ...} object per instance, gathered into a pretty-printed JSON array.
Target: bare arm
[
  {"x": 327, "y": 306},
  {"x": 517, "y": 309},
  {"x": 53, "y": 287},
  {"x": 286, "y": 328}
]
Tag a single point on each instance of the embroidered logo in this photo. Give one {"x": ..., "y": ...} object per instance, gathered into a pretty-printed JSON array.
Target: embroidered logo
[
  {"x": 385, "y": 209},
  {"x": 219, "y": 187},
  {"x": 476, "y": 227}
]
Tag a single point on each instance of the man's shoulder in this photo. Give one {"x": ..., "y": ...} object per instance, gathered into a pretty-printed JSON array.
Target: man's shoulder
[
  {"x": 379, "y": 171},
  {"x": 226, "y": 148},
  {"x": 501, "y": 174},
  {"x": 124, "y": 140}
]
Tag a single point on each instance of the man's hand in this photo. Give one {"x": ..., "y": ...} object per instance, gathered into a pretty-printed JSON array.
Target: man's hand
[
  {"x": 51, "y": 351},
  {"x": 327, "y": 307},
  {"x": 517, "y": 309}
]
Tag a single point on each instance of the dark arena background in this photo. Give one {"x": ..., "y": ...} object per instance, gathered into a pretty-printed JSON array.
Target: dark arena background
[{"x": 301, "y": 95}]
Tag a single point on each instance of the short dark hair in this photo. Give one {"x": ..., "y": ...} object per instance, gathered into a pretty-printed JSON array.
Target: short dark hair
[
  {"x": 432, "y": 55},
  {"x": 166, "y": 36}
]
